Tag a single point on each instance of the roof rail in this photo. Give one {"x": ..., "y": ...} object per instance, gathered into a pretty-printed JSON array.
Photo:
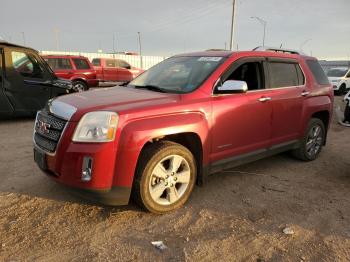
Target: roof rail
[{"x": 281, "y": 50}]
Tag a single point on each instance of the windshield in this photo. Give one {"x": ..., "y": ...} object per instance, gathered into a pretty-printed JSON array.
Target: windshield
[
  {"x": 336, "y": 72},
  {"x": 178, "y": 74}
]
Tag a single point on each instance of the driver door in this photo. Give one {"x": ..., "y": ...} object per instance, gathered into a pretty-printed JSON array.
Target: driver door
[
  {"x": 26, "y": 87},
  {"x": 242, "y": 121},
  {"x": 5, "y": 106}
]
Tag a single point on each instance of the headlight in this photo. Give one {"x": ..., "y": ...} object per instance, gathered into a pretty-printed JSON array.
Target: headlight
[{"x": 99, "y": 126}]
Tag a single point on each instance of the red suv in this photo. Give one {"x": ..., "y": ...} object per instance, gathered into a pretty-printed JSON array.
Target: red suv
[
  {"x": 185, "y": 118},
  {"x": 78, "y": 69},
  {"x": 116, "y": 70}
]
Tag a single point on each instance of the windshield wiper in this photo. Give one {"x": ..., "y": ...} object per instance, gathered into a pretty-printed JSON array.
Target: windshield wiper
[{"x": 152, "y": 88}]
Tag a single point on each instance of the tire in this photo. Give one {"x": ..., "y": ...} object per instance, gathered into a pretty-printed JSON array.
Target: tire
[
  {"x": 158, "y": 187},
  {"x": 342, "y": 90},
  {"x": 80, "y": 85},
  {"x": 311, "y": 144}
]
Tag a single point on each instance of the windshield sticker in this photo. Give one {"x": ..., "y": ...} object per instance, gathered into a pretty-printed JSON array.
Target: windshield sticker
[{"x": 210, "y": 58}]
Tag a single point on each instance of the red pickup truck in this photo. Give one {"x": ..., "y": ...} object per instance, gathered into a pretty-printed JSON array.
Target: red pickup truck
[
  {"x": 115, "y": 70},
  {"x": 187, "y": 117}
]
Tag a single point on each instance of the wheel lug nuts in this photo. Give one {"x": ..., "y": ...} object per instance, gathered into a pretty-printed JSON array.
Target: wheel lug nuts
[
  {"x": 166, "y": 176},
  {"x": 175, "y": 178},
  {"x": 171, "y": 185},
  {"x": 166, "y": 184}
]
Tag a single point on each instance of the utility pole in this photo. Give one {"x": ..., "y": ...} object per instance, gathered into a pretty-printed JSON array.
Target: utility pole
[
  {"x": 114, "y": 38},
  {"x": 264, "y": 23},
  {"x": 140, "y": 49},
  {"x": 56, "y": 32},
  {"x": 23, "y": 38},
  {"x": 232, "y": 24}
]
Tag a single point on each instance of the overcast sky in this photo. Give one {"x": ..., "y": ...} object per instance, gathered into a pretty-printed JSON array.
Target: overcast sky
[{"x": 170, "y": 27}]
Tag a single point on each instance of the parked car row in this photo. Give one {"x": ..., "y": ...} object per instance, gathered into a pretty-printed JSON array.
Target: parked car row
[{"x": 84, "y": 74}]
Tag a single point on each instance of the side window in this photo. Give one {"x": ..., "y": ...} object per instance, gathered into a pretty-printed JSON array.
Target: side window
[
  {"x": 26, "y": 65},
  {"x": 318, "y": 72},
  {"x": 283, "y": 74},
  {"x": 110, "y": 63},
  {"x": 251, "y": 73},
  {"x": 123, "y": 64},
  {"x": 96, "y": 62},
  {"x": 81, "y": 63},
  {"x": 59, "y": 63}
]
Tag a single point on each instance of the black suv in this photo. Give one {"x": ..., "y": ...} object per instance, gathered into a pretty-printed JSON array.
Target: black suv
[{"x": 26, "y": 81}]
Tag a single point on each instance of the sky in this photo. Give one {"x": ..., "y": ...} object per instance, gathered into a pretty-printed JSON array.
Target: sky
[{"x": 319, "y": 27}]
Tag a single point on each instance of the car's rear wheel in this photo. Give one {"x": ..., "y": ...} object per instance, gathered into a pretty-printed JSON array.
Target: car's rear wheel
[
  {"x": 165, "y": 177},
  {"x": 312, "y": 142},
  {"x": 80, "y": 85}
]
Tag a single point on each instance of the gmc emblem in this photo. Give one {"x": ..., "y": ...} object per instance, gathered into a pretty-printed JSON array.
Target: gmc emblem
[{"x": 43, "y": 127}]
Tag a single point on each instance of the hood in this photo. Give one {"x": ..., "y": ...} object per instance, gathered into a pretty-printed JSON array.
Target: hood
[
  {"x": 332, "y": 78},
  {"x": 116, "y": 99}
]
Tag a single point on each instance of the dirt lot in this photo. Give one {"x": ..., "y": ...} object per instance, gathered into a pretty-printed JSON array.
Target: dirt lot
[{"x": 238, "y": 215}]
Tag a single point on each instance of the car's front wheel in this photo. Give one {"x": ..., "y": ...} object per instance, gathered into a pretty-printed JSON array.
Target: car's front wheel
[
  {"x": 312, "y": 142},
  {"x": 165, "y": 177}
]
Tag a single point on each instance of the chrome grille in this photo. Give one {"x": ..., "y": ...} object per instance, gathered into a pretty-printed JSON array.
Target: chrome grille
[{"x": 48, "y": 131}]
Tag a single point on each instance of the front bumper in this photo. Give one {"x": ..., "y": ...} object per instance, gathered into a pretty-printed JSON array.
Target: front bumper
[{"x": 113, "y": 195}]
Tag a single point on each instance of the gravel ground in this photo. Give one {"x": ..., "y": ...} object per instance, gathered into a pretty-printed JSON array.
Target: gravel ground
[{"x": 239, "y": 215}]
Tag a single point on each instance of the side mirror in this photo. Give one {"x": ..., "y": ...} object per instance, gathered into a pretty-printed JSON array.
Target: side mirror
[{"x": 233, "y": 86}]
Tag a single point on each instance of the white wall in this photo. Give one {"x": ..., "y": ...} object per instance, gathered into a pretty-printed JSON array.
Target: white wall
[{"x": 134, "y": 60}]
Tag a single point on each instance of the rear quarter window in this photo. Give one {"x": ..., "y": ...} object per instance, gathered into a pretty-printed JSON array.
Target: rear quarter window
[
  {"x": 317, "y": 72},
  {"x": 96, "y": 62},
  {"x": 81, "y": 63}
]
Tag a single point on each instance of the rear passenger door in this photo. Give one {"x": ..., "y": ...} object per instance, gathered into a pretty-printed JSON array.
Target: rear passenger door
[{"x": 287, "y": 84}]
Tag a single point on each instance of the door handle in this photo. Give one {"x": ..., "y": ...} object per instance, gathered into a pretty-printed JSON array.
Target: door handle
[
  {"x": 264, "y": 99},
  {"x": 305, "y": 93}
]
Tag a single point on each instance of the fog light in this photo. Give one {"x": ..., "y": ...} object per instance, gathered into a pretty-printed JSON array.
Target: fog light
[{"x": 86, "y": 171}]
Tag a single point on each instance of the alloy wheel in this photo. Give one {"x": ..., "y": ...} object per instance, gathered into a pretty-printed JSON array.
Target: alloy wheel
[
  {"x": 314, "y": 141},
  {"x": 169, "y": 180}
]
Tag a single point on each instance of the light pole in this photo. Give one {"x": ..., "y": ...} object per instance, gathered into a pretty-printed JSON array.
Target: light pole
[
  {"x": 140, "y": 49},
  {"x": 232, "y": 24},
  {"x": 304, "y": 43},
  {"x": 264, "y": 23}
]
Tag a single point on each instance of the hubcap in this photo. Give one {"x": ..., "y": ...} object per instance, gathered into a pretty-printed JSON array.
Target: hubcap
[
  {"x": 314, "y": 141},
  {"x": 80, "y": 87},
  {"x": 169, "y": 180}
]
